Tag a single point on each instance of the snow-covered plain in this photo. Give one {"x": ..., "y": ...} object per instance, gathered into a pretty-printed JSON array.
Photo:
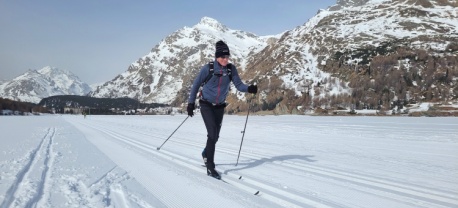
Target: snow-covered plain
[{"x": 293, "y": 161}]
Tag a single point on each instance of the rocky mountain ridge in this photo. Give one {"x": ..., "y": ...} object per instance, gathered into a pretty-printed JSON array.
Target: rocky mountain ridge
[
  {"x": 364, "y": 54},
  {"x": 358, "y": 54}
]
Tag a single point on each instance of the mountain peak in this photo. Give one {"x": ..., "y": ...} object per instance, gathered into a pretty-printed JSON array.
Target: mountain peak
[
  {"x": 53, "y": 71},
  {"x": 208, "y": 20},
  {"x": 212, "y": 23},
  {"x": 48, "y": 70}
]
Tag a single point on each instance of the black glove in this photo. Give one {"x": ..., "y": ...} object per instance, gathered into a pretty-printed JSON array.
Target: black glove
[
  {"x": 253, "y": 89},
  {"x": 190, "y": 109}
]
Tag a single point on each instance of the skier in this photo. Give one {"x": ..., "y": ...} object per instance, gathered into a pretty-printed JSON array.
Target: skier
[{"x": 215, "y": 78}]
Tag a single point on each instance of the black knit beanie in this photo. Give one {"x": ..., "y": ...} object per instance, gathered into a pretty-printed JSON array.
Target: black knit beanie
[{"x": 221, "y": 49}]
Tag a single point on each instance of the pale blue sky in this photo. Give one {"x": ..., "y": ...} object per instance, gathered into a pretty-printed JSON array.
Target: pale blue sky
[{"x": 99, "y": 39}]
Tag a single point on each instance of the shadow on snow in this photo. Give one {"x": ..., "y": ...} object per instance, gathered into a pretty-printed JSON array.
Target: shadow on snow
[{"x": 255, "y": 163}]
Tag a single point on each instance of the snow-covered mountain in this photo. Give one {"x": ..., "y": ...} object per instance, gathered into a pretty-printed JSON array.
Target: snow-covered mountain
[
  {"x": 352, "y": 24},
  {"x": 320, "y": 57},
  {"x": 166, "y": 72},
  {"x": 354, "y": 52},
  {"x": 34, "y": 85}
]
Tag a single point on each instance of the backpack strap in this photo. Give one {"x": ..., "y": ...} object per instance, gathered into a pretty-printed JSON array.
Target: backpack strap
[{"x": 212, "y": 71}]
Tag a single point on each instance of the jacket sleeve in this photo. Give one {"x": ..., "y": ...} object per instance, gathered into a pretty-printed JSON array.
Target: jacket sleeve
[
  {"x": 197, "y": 82},
  {"x": 237, "y": 81}
]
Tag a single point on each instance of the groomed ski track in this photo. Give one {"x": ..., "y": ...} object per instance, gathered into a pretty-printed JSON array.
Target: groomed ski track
[
  {"x": 183, "y": 164},
  {"x": 34, "y": 176},
  {"x": 271, "y": 193}
]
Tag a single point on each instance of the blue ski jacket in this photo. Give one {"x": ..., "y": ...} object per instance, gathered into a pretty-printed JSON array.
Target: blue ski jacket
[{"x": 217, "y": 88}]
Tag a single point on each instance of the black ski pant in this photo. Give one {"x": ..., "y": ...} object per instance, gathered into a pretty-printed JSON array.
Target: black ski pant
[{"x": 213, "y": 119}]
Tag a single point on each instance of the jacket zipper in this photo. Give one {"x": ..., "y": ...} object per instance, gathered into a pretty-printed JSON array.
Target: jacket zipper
[{"x": 219, "y": 88}]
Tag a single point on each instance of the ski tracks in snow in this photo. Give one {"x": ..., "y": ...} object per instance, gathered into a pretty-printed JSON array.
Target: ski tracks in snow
[
  {"x": 250, "y": 186},
  {"x": 390, "y": 189},
  {"x": 30, "y": 189},
  {"x": 415, "y": 195},
  {"x": 41, "y": 180}
]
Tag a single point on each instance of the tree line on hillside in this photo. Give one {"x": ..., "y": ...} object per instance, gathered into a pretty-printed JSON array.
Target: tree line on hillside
[
  {"x": 7, "y": 104},
  {"x": 394, "y": 76},
  {"x": 94, "y": 105},
  {"x": 390, "y": 76},
  {"x": 74, "y": 103}
]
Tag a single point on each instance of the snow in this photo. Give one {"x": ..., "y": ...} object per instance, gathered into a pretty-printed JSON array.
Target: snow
[
  {"x": 34, "y": 85},
  {"x": 380, "y": 29},
  {"x": 169, "y": 50},
  {"x": 294, "y": 161}
]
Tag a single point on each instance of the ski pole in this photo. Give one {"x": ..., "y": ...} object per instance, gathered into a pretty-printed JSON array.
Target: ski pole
[
  {"x": 246, "y": 121},
  {"x": 172, "y": 133}
]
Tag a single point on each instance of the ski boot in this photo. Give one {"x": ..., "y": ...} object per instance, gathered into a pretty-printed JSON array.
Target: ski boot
[{"x": 212, "y": 172}]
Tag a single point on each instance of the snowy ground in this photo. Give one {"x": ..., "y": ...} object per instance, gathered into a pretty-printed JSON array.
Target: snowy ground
[{"x": 293, "y": 161}]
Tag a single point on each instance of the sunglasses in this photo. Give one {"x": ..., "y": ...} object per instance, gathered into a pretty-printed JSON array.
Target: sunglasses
[{"x": 225, "y": 57}]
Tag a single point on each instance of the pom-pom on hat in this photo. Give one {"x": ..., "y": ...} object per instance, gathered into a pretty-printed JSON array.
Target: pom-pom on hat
[{"x": 221, "y": 49}]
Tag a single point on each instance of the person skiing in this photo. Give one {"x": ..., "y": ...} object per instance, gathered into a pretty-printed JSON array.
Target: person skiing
[{"x": 215, "y": 78}]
